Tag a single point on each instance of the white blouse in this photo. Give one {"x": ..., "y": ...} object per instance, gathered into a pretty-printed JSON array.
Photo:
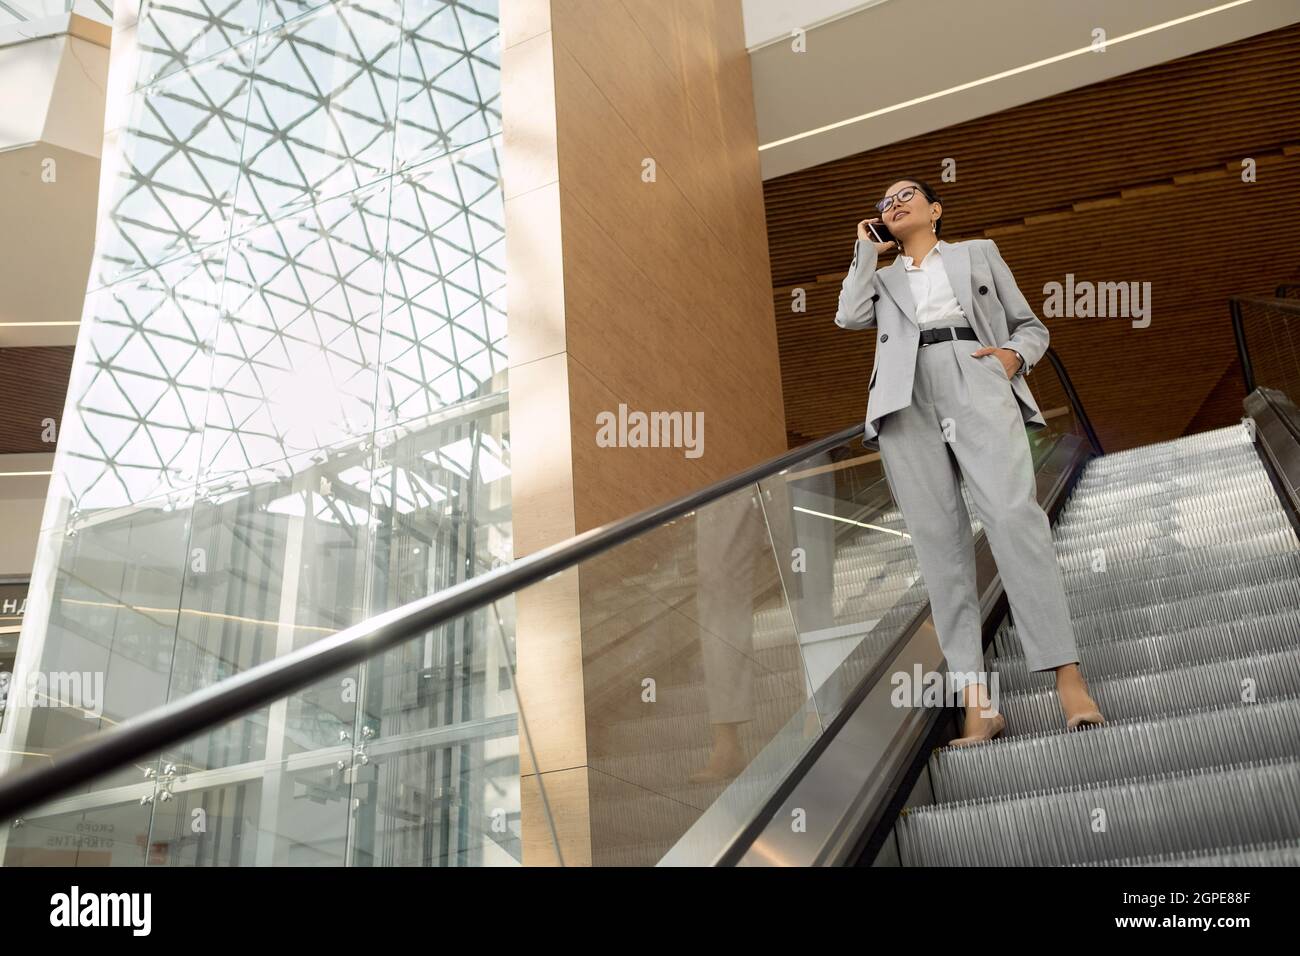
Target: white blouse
[{"x": 931, "y": 291}]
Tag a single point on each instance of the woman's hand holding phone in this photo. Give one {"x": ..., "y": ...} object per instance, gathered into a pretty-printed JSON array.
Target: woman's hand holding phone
[{"x": 865, "y": 235}]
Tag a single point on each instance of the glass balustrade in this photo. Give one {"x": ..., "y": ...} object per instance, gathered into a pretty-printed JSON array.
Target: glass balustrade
[{"x": 714, "y": 650}]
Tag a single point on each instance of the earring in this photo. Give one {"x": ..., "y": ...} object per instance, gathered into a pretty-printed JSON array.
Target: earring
[{"x": 932, "y": 229}]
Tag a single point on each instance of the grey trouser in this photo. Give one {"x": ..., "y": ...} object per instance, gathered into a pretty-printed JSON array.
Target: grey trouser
[{"x": 964, "y": 422}]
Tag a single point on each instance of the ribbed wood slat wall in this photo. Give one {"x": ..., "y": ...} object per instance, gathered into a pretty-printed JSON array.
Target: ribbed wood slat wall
[
  {"x": 33, "y": 385},
  {"x": 1126, "y": 180}
]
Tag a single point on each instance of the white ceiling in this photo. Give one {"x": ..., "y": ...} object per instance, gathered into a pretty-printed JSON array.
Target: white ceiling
[
  {"x": 769, "y": 20},
  {"x": 52, "y": 75},
  {"x": 861, "y": 67}
]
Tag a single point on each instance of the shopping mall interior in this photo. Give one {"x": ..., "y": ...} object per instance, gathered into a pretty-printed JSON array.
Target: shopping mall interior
[{"x": 428, "y": 437}]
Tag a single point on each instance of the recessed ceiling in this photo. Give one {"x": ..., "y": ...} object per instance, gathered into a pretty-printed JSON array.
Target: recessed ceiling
[
  {"x": 1122, "y": 181},
  {"x": 767, "y": 21},
  {"x": 879, "y": 73}
]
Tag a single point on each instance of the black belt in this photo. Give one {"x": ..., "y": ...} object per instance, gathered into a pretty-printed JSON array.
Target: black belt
[{"x": 947, "y": 333}]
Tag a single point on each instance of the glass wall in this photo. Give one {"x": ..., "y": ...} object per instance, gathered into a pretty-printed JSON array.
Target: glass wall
[{"x": 287, "y": 413}]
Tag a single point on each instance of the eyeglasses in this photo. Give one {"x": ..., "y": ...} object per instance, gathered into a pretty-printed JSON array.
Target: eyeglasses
[{"x": 903, "y": 195}]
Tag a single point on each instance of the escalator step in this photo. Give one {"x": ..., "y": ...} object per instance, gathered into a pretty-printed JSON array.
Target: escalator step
[
  {"x": 1206, "y": 737},
  {"x": 1160, "y": 617},
  {"x": 1120, "y": 555},
  {"x": 1272, "y": 548},
  {"x": 1205, "y": 683},
  {"x": 1142, "y": 540},
  {"x": 1112, "y": 590},
  {"x": 1250, "y": 515},
  {"x": 1193, "y": 810},
  {"x": 1273, "y": 853},
  {"x": 1154, "y": 651}
]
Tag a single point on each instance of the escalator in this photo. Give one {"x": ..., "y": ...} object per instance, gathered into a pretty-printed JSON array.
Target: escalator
[
  {"x": 741, "y": 651},
  {"x": 1183, "y": 574}
]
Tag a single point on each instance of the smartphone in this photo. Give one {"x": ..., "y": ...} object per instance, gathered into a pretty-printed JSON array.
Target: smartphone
[{"x": 880, "y": 232}]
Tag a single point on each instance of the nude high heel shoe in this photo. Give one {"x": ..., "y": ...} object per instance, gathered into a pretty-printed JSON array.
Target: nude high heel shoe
[
  {"x": 1081, "y": 709},
  {"x": 1085, "y": 718},
  {"x": 997, "y": 725},
  {"x": 1085, "y": 713}
]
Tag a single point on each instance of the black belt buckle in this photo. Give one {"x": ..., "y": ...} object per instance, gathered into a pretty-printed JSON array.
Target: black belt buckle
[{"x": 945, "y": 334}]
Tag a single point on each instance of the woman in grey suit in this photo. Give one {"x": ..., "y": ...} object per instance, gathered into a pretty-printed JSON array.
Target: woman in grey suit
[{"x": 947, "y": 402}]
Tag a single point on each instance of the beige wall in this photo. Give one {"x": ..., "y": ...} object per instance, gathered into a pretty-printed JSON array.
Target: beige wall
[
  {"x": 655, "y": 295},
  {"x": 52, "y": 79},
  {"x": 22, "y": 502}
]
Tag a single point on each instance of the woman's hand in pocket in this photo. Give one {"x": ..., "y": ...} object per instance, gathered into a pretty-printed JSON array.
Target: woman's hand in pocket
[{"x": 1008, "y": 357}]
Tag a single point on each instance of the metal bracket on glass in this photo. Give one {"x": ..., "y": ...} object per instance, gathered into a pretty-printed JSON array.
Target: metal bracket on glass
[
  {"x": 359, "y": 756},
  {"x": 162, "y": 784}
]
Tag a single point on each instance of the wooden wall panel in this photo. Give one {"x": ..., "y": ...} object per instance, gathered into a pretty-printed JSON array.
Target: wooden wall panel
[
  {"x": 654, "y": 295},
  {"x": 667, "y": 305},
  {"x": 33, "y": 387}
]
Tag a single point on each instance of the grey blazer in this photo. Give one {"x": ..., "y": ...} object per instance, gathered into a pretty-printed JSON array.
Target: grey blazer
[{"x": 987, "y": 293}]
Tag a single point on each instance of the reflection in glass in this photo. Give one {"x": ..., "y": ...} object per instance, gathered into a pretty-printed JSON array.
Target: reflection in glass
[{"x": 112, "y": 833}]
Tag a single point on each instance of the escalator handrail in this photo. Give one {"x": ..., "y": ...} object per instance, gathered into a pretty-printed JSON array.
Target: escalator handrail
[
  {"x": 144, "y": 735},
  {"x": 1076, "y": 403},
  {"x": 1279, "y": 304},
  {"x": 736, "y": 848}
]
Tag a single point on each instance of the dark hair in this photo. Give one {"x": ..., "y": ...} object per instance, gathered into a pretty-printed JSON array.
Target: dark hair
[{"x": 930, "y": 196}]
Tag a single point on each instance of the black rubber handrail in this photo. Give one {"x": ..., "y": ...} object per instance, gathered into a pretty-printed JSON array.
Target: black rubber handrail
[
  {"x": 1075, "y": 402},
  {"x": 740, "y": 844},
  {"x": 1243, "y": 350},
  {"x": 1235, "y": 302},
  {"x": 145, "y": 734}
]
